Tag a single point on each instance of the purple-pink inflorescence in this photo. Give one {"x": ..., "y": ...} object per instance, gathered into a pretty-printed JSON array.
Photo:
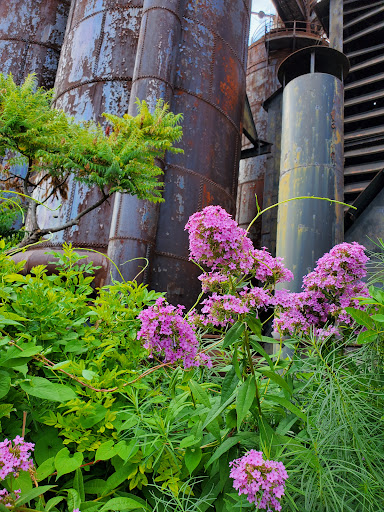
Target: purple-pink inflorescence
[
  {"x": 15, "y": 456},
  {"x": 166, "y": 332},
  {"x": 334, "y": 284},
  {"x": 8, "y": 499},
  {"x": 263, "y": 481}
]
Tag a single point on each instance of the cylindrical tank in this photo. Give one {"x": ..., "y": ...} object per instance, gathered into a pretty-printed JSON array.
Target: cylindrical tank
[
  {"x": 31, "y": 35},
  {"x": 134, "y": 222},
  {"x": 311, "y": 158},
  {"x": 262, "y": 82},
  {"x": 209, "y": 91},
  {"x": 94, "y": 76}
]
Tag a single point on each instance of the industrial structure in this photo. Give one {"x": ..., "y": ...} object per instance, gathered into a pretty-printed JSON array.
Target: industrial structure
[{"x": 277, "y": 106}]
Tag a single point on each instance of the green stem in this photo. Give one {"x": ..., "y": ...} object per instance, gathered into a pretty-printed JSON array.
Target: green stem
[{"x": 247, "y": 347}]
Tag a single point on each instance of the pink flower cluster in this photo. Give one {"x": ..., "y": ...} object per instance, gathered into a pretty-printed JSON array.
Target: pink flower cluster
[
  {"x": 268, "y": 269},
  {"x": 15, "y": 456},
  {"x": 165, "y": 332},
  {"x": 332, "y": 286},
  {"x": 221, "y": 310},
  {"x": 8, "y": 499},
  {"x": 216, "y": 240},
  {"x": 263, "y": 481}
]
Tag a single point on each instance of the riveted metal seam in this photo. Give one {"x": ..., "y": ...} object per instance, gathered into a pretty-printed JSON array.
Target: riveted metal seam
[
  {"x": 108, "y": 9},
  {"x": 235, "y": 167},
  {"x": 202, "y": 177},
  {"x": 69, "y": 210},
  {"x": 212, "y": 68},
  {"x": 100, "y": 42},
  {"x": 94, "y": 80},
  {"x": 221, "y": 39},
  {"x": 164, "y": 9},
  {"x": 85, "y": 244},
  {"x": 54, "y": 47},
  {"x": 212, "y": 105},
  {"x": 143, "y": 77},
  {"x": 139, "y": 54},
  {"x": 200, "y": 200},
  {"x": 170, "y": 255}
]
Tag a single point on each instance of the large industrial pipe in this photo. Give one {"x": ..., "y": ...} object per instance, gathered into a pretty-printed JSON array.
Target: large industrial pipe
[
  {"x": 311, "y": 157},
  {"x": 31, "y": 35},
  {"x": 134, "y": 222}
]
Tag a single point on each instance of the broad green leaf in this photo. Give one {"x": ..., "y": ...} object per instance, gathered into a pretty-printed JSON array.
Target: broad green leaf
[
  {"x": 188, "y": 441},
  {"x": 214, "y": 429},
  {"x": 234, "y": 334},
  {"x": 78, "y": 484},
  {"x": 360, "y": 317},
  {"x": 254, "y": 324},
  {"x": 5, "y": 383},
  {"x": 245, "y": 397},
  {"x": 229, "y": 384},
  {"x": 94, "y": 486},
  {"x": 216, "y": 411},
  {"x": 88, "y": 374},
  {"x": 276, "y": 378},
  {"x": 5, "y": 409},
  {"x": 287, "y": 404},
  {"x": 43, "y": 388},
  {"x": 223, "y": 448},
  {"x": 53, "y": 502},
  {"x": 45, "y": 469},
  {"x": 64, "y": 463},
  {"x": 123, "y": 504},
  {"x": 34, "y": 493},
  {"x": 378, "y": 318},
  {"x": 105, "y": 451},
  {"x": 366, "y": 336},
  {"x": 118, "y": 477},
  {"x": 256, "y": 345},
  {"x": 73, "y": 499},
  {"x": 192, "y": 458},
  {"x": 200, "y": 395}
]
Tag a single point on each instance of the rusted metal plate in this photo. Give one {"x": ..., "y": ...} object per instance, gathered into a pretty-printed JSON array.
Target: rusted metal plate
[
  {"x": 31, "y": 35},
  {"x": 94, "y": 76},
  {"x": 311, "y": 165}
]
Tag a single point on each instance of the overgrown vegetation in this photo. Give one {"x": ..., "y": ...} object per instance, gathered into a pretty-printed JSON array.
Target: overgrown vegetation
[
  {"x": 45, "y": 148},
  {"x": 117, "y": 426}
]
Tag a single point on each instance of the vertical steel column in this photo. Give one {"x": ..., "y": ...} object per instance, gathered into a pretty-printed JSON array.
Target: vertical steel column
[
  {"x": 134, "y": 222},
  {"x": 31, "y": 35},
  {"x": 336, "y": 24},
  {"x": 311, "y": 158}
]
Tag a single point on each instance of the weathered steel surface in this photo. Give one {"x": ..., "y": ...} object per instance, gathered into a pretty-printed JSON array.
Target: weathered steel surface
[
  {"x": 209, "y": 91},
  {"x": 311, "y": 165},
  {"x": 31, "y": 35},
  {"x": 336, "y": 25},
  {"x": 262, "y": 82},
  {"x": 94, "y": 76},
  {"x": 134, "y": 223}
]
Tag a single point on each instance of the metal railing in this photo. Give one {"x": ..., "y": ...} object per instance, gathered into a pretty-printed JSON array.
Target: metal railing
[{"x": 275, "y": 27}]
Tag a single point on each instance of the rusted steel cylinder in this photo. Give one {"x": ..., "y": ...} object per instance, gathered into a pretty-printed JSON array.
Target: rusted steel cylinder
[
  {"x": 210, "y": 92},
  {"x": 31, "y": 36},
  {"x": 94, "y": 76},
  {"x": 336, "y": 24},
  {"x": 311, "y": 158},
  {"x": 134, "y": 222}
]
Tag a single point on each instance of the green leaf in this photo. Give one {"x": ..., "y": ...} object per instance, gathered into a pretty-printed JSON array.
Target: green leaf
[
  {"x": 88, "y": 374},
  {"x": 5, "y": 383},
  {"x": 256, "y": 345},
  {"x": 366, "y": 336},
  {"x": 287, "y": 404},
  {"x": 234, "y": 334},
  {"x": 200, "y": 395},
  {"x": 53, "y": 502},
  {"x": 229, "y": 384},
  {"x": 118, "y": 477},
  {"x": 43, "y": 388},
  {"x": 276, "y": 378},
  {"x": 254, "y": 324},
  {"x": 64, "y": 463},
  {"x": 123, "y": 504},
  {"x": 45, "y": 469},
  {"x": 188, "y": 441},
  {"x": 192, "y": 458},
  {"x": 78, "y": 484},
  {"x": 34, "y": 493},
  {"x": 215, "y": 412},
  {"x": 223, "y": 448},
  {"x": 245, "y": 397},
  {"x": 73, "y": 499},
  {"x": 360, "y": 317},
  {"x": 94, "y": 486},
  {"x": 105, "y": 451},
  {"x": 378, "y": 318},
  {"x": 5, "y": 409}
]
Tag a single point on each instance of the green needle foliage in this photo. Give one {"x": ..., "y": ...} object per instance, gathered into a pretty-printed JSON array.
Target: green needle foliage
[{"x": 52, "y": 147}]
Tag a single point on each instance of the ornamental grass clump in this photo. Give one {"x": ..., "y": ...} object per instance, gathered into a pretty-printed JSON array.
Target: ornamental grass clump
[{"x": 262, "y": 481}]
